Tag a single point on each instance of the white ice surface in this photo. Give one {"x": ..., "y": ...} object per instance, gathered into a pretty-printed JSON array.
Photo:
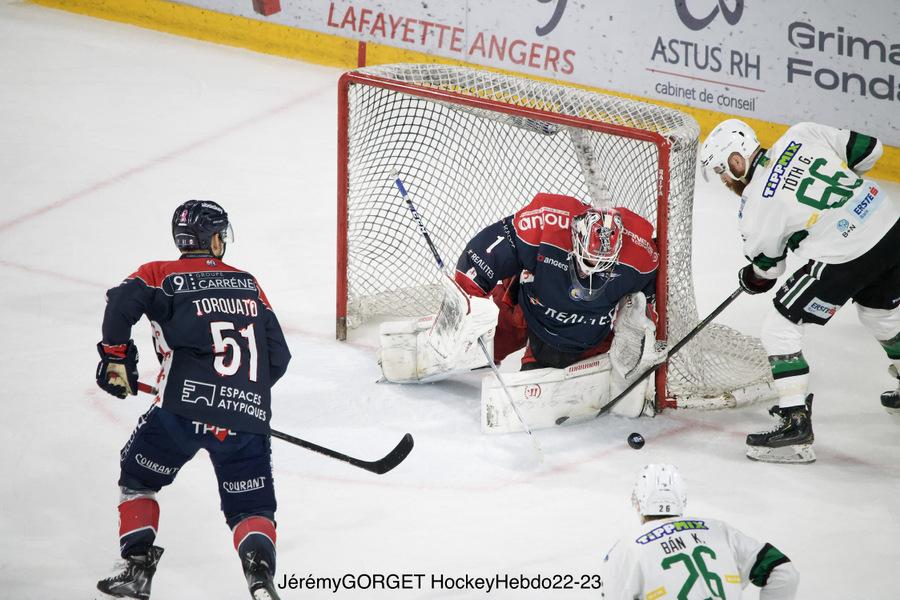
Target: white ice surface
[{"x": 106, "y": 127}]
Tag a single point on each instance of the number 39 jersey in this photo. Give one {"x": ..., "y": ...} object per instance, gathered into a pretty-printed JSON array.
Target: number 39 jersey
[
  {"x": 218, "y": 340},
  {"x": 805, "y": 195},
  {"x": 689, "y": 559}
]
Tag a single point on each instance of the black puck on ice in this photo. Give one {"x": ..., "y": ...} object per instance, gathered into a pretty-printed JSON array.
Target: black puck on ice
[{"x": 636, "y": 441}]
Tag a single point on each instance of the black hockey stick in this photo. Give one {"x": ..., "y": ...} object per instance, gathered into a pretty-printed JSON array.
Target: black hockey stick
[
  {"x": 379, "y": 467},
  {"x": 700, "y": 326}
]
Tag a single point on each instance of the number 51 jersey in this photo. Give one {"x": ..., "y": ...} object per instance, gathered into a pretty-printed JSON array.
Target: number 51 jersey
[
  {"x": 805, "y": 195},
  {"x": 218, "y": 340},
  {"x": 687, "y": 558}
]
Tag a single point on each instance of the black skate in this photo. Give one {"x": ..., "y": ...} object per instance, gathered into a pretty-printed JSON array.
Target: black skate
[
  {"x": 133, "y": 578},
  {"x": 259, "y": 579},
  {"x": 790, "y": 441},
  {"x": 890, "y": 400}
]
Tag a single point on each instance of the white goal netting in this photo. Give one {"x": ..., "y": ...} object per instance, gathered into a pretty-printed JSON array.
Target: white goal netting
[{"x": 473, "y": 146}]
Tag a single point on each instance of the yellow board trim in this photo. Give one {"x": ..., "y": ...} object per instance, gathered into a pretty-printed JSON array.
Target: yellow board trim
[{"x": 336, "y": 51}]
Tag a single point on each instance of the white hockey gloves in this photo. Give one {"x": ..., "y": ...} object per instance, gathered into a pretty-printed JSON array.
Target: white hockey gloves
[
  {"x": 435, "y": 347},
  {"x": 634, "y": 350}
]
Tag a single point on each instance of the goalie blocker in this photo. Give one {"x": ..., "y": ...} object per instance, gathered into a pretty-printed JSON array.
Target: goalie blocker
[{"x": 439, "y": 346}]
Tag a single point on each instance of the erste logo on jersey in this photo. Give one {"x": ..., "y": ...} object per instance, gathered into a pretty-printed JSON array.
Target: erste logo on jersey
[
  {"x": 867, "y": 205},
  {"x": 820, "y": 308}
]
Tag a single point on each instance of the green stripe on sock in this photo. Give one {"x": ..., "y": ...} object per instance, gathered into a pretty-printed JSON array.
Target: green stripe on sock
[
  {"x": 767, "y": 559},
  {"x": 859, "y": 146},
  {"x": 892, "y": 347},
  {"x": 788, "y": 365}
]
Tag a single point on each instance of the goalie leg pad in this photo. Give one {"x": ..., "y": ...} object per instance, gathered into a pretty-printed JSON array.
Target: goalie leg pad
[
  {"x": 439, "y": 346},
  {"x": 408, "y": 356},
  {"x": 542, "y": 396}
]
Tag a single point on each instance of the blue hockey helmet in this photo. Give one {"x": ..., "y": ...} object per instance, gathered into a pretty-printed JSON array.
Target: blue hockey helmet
[{"x": 196, "y": 221}]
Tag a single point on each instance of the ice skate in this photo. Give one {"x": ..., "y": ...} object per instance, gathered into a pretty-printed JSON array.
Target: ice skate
[
  {"x": 259, "y": 579},
  {"x": 790, "y": 441},
  {"x": 133, "y": 576},
  {"x": 890, "y": 399}
]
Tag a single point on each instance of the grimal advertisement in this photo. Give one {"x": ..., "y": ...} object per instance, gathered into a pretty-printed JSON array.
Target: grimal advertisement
[{"x": 832, "y": 61}]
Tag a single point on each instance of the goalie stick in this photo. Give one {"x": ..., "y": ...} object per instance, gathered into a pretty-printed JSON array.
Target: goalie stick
[
  {"x": 395, "y": 175},
  {"x": 379, "y": 467},
  {"x": 700, "y": 326}
]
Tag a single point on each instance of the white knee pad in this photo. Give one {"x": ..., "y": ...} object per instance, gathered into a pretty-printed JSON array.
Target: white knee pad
[
  {"x": 882, "y": 323},
  {"x": 780, "y": 336}
]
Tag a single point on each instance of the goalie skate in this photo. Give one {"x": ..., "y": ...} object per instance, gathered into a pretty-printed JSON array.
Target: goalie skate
[{"x": 790, "y": 441}]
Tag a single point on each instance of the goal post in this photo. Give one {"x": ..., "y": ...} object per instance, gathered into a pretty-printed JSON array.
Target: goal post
[{"x": 473, "y": 146}]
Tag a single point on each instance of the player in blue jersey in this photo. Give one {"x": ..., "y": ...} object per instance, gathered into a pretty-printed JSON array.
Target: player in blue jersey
[
  {"x": 221, "y": 349},
  {"x": 557, "y": 269}
]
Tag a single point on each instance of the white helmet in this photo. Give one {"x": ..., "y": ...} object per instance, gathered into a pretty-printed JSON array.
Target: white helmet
[
  {"x": 596, "y": 240},
  {"x": 659, "y": 490},
  {"x": 729, "y": 136}
]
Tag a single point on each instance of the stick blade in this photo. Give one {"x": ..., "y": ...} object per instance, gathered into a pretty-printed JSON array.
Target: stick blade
[{"x": 394, "y": 457}]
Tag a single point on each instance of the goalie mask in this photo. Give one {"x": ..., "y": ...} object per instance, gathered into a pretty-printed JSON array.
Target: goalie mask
[
  {"x": 728, "y": 137},
  {"x": 596, "y": 240},
  {"x": 659, "y": 491},
  {"x": 196, "y": 221}
]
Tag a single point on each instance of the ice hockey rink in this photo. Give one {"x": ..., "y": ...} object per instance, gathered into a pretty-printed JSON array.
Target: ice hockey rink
[{"x": 106, "y": 128}]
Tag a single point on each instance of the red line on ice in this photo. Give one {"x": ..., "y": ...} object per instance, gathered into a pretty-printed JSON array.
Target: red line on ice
[{"x": 153, "y": 162}]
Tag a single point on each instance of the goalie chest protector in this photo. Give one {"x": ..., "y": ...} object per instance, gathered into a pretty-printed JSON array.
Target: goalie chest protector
[{"x": 552, "y": 309}]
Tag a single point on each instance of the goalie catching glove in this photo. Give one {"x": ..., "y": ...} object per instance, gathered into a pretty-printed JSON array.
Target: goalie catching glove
[
  {"x": 436, "y": 347},
  {"x": 117, "y": 372}
]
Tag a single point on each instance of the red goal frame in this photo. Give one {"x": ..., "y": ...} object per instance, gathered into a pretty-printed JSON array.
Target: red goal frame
[{"x": 343, "y": 184}]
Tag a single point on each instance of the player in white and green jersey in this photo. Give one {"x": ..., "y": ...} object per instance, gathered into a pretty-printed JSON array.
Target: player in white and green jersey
[
  {"x": 673, "y": 556},
  {"x": 807, "y": 194}
]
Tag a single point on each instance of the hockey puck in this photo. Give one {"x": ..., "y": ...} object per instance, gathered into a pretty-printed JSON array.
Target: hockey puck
[{"x": 636, "y": 441}]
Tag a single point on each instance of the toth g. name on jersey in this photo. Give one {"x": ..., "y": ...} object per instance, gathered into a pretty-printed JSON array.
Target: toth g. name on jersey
[{"x": 802, "y": 197}]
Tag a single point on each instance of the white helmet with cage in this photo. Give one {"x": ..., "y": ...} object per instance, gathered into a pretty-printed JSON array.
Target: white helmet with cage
[
  {"x": 732, "y": 135},
  {"x": 659, "y": 490},
  {"x": 596, "y": 240}
]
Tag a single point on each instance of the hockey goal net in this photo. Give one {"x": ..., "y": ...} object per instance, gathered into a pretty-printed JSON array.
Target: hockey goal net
[{"x": 473, "y": 146}]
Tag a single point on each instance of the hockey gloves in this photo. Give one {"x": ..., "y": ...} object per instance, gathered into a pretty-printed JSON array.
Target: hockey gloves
[
  {"x": 753, "y": 283},
  {"x": 117, "y": 372}
]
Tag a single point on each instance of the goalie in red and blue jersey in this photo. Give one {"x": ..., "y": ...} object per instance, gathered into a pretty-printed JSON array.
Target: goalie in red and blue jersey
[
  {"x": 557, "y": 270},
  {"x": 556, "y": 278},
  {"x": 221, "y": 349}
]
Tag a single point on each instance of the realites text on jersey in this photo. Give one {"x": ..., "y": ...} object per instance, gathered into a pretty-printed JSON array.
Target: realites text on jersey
[
  {"x": 802, "y": 197},
  {"x": 565, "y": 311},
  {"x": 219, "y": 343}
]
